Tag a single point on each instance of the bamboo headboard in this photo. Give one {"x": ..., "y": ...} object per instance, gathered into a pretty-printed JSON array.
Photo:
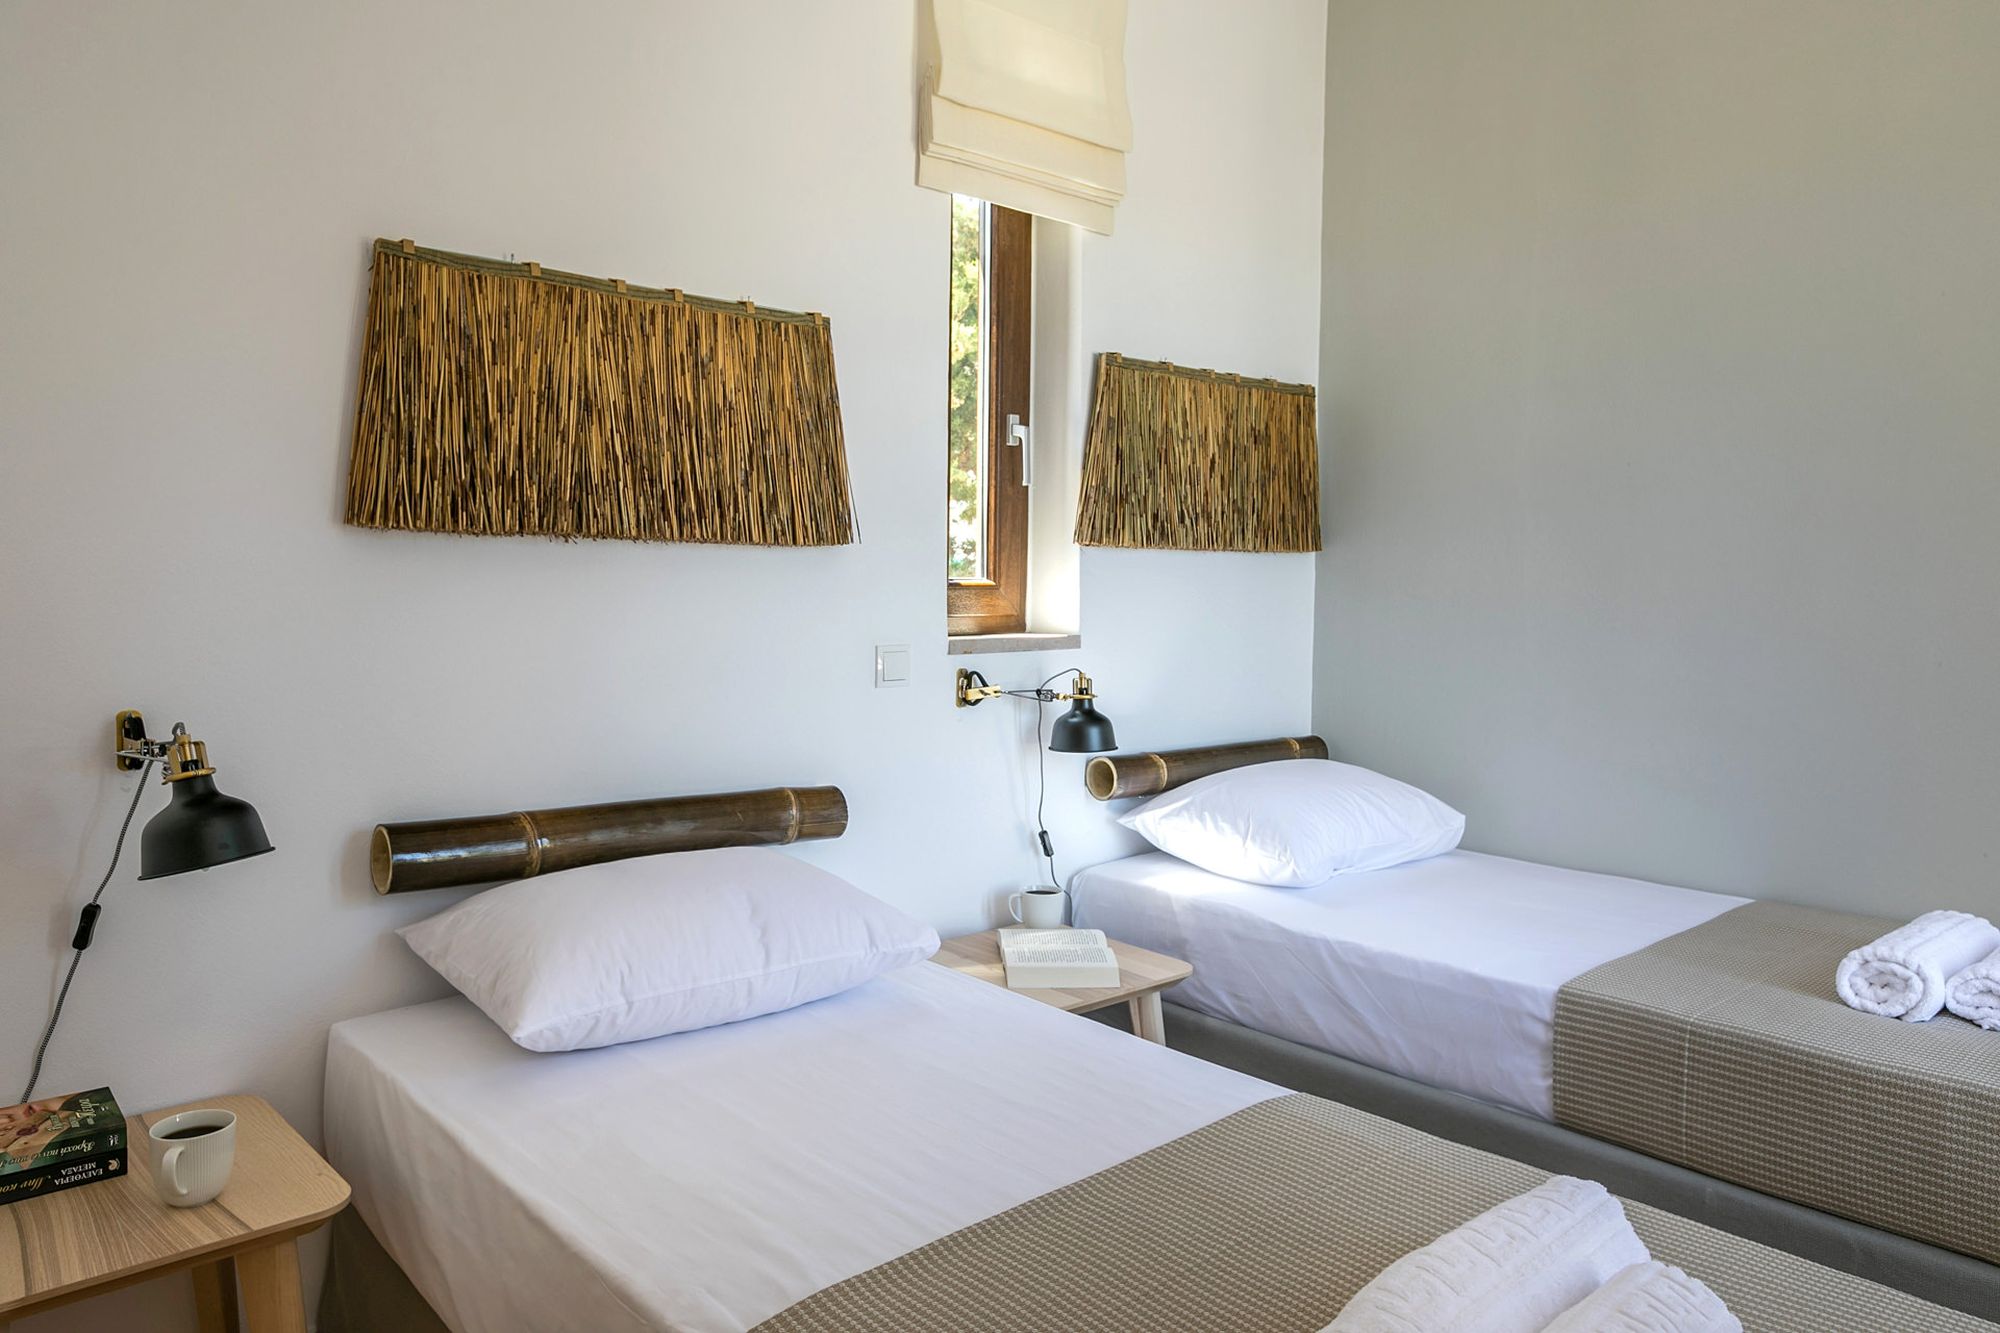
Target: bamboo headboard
[
  {"x": 1110, "y": 776},
  {"x": 482, "y": 849}
]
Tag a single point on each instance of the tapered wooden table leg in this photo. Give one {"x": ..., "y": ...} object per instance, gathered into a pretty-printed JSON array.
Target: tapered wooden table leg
[
  {"x": 272, "y": 1299},
  {"x": 1148, "y": 1020},
  {"x": 215, "y": 1296}
]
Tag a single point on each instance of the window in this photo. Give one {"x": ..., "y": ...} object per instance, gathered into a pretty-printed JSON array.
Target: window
[{"x": 986, "y": 541}]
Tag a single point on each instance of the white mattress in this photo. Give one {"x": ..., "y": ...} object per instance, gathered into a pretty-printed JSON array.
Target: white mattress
[
  {"x": 711, "y": 1179},
  {"x": 1444, "y": 970}
]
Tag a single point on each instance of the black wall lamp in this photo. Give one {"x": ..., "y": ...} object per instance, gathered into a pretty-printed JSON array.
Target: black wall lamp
[
  {"x": 201, "y": 827},
  {"x": 1082, "y": 730}
]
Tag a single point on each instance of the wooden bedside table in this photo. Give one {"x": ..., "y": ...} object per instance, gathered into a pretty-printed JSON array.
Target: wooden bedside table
[
  {"x": 63, "y": 1247},
  {"x": 1142, "y": 975}
]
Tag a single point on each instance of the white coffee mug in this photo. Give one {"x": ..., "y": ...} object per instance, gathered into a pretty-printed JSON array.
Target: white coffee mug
[
  {"x": 1040, "y": 907},
  {"x": 192, "y": 1154}
]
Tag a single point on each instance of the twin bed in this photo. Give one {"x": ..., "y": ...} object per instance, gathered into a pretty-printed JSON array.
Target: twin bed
[
  {"x": 925, "y": 1151},
  {"x": 1682, "y": 1046}
]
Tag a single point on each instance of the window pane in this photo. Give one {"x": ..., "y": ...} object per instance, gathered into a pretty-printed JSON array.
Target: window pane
[{"x": 965, "y": 539}]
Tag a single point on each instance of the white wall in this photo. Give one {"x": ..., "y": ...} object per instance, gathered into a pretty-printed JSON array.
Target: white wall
[
  {"x": 1663, "y": 426},
  {"x": 187, "y": 195}
]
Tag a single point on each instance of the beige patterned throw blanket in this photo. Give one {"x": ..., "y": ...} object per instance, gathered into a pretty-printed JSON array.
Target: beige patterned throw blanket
[
  {"x": 1267, "y": 1221},
  {"x": 1723, "y": 1049}
]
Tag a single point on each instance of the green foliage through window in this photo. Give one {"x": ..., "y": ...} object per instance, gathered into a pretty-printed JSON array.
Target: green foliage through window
[{"x": 966, "y": 531}]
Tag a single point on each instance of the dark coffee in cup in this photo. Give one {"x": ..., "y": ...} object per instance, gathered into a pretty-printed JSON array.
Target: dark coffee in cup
[{"x": 192, "y": 1154}]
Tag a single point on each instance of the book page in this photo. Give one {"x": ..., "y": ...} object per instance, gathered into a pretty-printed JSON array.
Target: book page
[{"x": 1042, "y": 947}]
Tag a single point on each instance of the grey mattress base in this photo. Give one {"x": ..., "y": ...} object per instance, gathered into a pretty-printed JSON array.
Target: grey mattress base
[
  {"x": 366, "y": 1291},
  {"x": 1926, "y": 1271}
]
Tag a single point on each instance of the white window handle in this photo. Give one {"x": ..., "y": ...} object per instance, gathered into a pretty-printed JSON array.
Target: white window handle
[{"x": 1017, "y": 438}]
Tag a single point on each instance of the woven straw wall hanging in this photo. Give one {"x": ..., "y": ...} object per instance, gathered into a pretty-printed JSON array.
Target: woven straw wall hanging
[
  {"x": 501, "y": 398},
  {"x": 1198, "y": 460}
]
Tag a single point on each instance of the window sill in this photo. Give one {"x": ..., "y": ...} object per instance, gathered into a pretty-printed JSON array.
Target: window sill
[{"x": 962, "y": 645}]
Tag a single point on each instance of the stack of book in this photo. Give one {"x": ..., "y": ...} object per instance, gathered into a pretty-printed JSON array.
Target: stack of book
[{"x": 57, "y": 1143}]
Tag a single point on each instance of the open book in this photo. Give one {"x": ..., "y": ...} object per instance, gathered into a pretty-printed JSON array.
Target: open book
[{"x": 1037, "y": 959}]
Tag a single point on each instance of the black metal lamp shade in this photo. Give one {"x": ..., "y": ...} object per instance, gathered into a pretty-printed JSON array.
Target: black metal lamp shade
[
  {"x": 201, "y": 827},
  {"x": 1082, "y": 730}
]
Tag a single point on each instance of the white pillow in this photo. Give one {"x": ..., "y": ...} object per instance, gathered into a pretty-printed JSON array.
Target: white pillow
[
  {"x": 1297, "y": 822},
  {"x": 612, "y": 953}
]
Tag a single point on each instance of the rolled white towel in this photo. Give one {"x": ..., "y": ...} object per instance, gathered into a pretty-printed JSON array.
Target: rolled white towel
[
  {"x": 1511, "y": 1269},
  {"x": 1903, "y": 974},
  {"x": 1973, "y": 992},
  {"x": 1648, "y": 1298}
]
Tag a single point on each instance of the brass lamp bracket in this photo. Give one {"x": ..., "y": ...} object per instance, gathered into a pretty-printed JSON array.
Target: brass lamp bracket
[
  {"x": 128, "y": 735},
  {"x": 966, "y": 693},
  {"x": 971, "y": 688},
  {"x": 181, "y": 756}
]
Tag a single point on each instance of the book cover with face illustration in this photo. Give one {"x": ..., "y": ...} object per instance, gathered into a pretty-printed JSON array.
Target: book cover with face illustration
[{"x": 52, "y": 1131}]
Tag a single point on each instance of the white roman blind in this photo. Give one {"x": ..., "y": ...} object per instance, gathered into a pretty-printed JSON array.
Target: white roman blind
[{"x": 1024, "y": 105}]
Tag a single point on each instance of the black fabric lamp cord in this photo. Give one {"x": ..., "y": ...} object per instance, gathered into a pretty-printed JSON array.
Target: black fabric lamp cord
[
  {"x": 1042, "y": 786},
  {"x": 86, "y": 925}
]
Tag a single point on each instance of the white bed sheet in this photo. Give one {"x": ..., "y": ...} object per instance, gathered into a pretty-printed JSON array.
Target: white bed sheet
[
  {"x": 1443, "y": 970},
  {"x": 708, "y": 1180}
]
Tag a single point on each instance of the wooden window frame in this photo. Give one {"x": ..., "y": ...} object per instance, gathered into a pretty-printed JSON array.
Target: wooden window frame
[{"x": 998, "y": 603}]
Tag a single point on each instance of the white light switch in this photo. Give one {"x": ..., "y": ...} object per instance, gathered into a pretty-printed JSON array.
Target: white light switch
[{"x": 892, "y": 664}]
